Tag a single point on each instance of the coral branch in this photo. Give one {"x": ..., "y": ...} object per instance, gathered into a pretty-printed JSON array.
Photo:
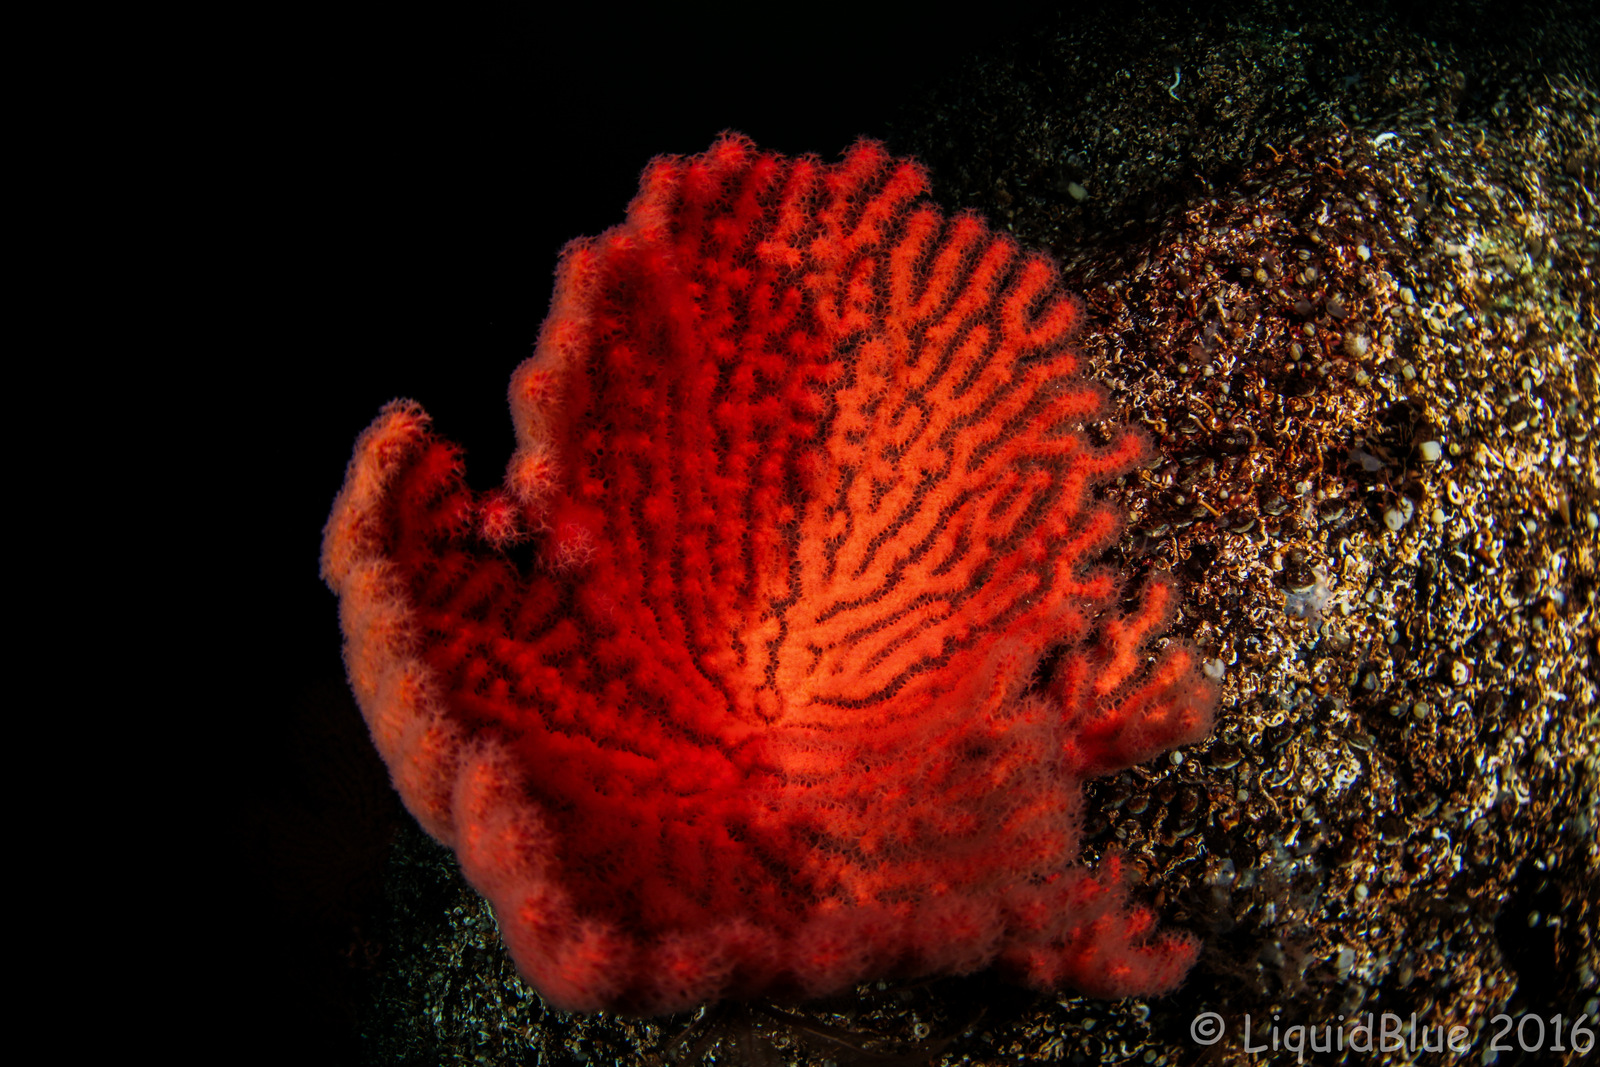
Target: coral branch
[{"x": 801, "y": 468}]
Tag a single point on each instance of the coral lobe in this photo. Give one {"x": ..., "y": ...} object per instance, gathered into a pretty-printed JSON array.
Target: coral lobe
[{"x": 802, "y": 464}]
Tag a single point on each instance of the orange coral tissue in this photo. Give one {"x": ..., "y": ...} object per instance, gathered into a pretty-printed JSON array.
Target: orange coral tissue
[{"x": 779, "y": 660}]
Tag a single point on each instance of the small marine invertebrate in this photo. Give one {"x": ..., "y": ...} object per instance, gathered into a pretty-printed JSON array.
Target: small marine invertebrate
[
  {"x": 1307, "y": 596},
  {"x": 801, "y": 468}
]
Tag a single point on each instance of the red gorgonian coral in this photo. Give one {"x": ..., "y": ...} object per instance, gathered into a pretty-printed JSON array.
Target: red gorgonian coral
[{"x": 802, "y": 467}]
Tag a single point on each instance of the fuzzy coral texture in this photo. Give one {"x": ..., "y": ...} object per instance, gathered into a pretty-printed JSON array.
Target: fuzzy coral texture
[{"x": 779, "y": 660}]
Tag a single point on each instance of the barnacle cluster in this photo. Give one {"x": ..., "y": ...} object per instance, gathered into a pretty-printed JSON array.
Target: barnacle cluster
[{"x": 1368, "y": 356}]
